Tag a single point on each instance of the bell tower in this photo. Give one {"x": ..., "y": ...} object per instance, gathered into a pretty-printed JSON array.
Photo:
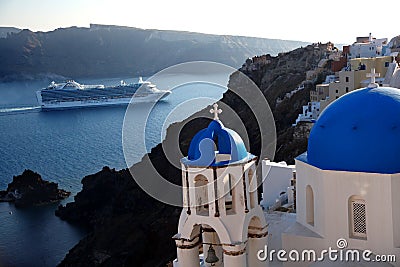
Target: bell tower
[{"x": 221, "y": 214}]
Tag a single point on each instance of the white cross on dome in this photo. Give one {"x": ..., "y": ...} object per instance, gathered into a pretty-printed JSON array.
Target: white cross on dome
[
  {"x": 216, "y": 111},
  {"x": 373, "y": 75}
]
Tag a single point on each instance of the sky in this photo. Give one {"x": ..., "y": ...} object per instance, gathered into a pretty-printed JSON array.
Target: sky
[{"x": 338, "y": 21}]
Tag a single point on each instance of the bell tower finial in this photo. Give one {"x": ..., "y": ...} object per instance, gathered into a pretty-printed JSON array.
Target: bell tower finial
[
  {"x": 216, "y": 111},
  {"x": 373, "y": 75}
]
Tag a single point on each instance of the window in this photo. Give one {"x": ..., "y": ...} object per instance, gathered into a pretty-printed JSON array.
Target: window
[
  {"x": 386, "y": 64},
  {"x": 228, "y": 185},
  {"x": 230, "y": 193},
  {"x": 357, "y": 218},
  {"x": 347, "y": 89},
  {"x": 309, "y": 205},
  {"x": 347, "y": 79},
  {"x": 337, "y": 91},
  {"x": 252, "y": 188},
  {"x": 201, "y": 194}
]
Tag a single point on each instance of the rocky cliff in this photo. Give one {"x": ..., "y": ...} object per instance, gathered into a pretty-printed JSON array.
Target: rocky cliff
[
  {"x": 30, "y": 189},
  {"x": 129, "y": 228},
  {"x": 114, "y": 51},
  {"x": 6, "y": 31}
]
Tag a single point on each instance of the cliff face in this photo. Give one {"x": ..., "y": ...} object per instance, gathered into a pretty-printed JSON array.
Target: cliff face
[
  {"x": 129, "y": 228},
  {"x": 6, "y": 31},
  {"x": 278, "y": 78},
  {"x": 113, "y": 51}
]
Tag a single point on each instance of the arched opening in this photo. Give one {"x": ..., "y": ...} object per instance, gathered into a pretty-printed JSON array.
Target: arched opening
[
  {"x": 201, "y": 193},
  {"x": 230, "y": 194},
  {"x": 309, "y": 205},
  {"x": 188, "y": 249},
  {"x": 357, "y": 217},
  {"x": 212, "y": 247},
  {"x": 252, "y": 188},
  {"x": 255, "y": 223}
]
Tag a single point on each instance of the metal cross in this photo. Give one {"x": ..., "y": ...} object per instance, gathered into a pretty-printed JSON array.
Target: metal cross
[
  {"x": 216, "y": 111},
  {"x": 373, "y": 75}
]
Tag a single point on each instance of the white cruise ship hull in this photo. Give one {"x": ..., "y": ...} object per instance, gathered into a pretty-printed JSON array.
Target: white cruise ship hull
[{"x": 154, "y": 97}]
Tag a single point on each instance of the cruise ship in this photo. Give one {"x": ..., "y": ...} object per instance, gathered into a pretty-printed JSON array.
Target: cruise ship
[{"x": 71, "y": 94}]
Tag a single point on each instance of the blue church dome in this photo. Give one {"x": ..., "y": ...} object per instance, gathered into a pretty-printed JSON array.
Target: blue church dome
[
  {"x": 216, "y": 146},
  {"x": 358, "y": 132}
]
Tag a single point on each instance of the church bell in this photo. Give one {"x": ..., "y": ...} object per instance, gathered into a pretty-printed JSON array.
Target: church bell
[{"x": 211, "y": 257}]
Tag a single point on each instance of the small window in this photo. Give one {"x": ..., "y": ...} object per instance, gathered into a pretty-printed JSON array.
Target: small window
[
  {"x": 358, "y": 218},
  {"x": 386, "y": 64},
  {"x": 337, "y": 91},
  {"x": 347, "y": 89},
  {"x": 337, "y": 97},
  {"x": 347, "y": 79}
]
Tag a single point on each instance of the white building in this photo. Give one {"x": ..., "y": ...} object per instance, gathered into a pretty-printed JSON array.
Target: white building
[
  {"x": 348, "y": 181},
  {"x": 276, "y": 179},
  {"x": 367, "y": 47},
  {"x": 310, "y": 112},
  {"x": 221, "y": 208}
]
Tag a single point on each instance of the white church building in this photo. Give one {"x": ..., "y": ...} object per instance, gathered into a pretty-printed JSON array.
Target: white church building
[
  {"x": 349, "y": 179},
  {"x": 221, "y": 214}
]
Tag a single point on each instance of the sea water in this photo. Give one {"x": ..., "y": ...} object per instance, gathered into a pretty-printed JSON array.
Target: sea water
[{"x": 64, "y": 146}]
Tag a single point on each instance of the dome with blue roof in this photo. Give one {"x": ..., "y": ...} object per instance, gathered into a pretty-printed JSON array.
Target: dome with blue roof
[
  {"x": 216, "y": 146},
  {"x": 359, "y": 132}
]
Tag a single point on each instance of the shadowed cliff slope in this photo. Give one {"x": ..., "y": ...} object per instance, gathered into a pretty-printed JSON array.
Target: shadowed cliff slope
[{"x": 115, "y": 51}]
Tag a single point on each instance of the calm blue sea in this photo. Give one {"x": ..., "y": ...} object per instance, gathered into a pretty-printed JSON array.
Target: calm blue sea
[{"x": 64, "y": 146}]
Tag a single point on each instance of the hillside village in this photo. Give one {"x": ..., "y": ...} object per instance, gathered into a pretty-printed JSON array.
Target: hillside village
[
  {"x": 352, "y": 66},
  {"x": 349, "y": 68}
]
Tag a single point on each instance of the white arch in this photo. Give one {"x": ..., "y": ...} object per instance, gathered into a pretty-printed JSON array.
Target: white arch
[
  {"x": 310, "y": 206},
  {"x": 217, "y": 225},
  {"x": 256, "y": 220}
]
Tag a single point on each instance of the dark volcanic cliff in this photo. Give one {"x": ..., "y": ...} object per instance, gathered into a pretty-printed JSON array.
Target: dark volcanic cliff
[
  {"x": 114, "y": 51},
  {"x": 129, "y": 228},
  {"x": 30, "y": 189}
]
